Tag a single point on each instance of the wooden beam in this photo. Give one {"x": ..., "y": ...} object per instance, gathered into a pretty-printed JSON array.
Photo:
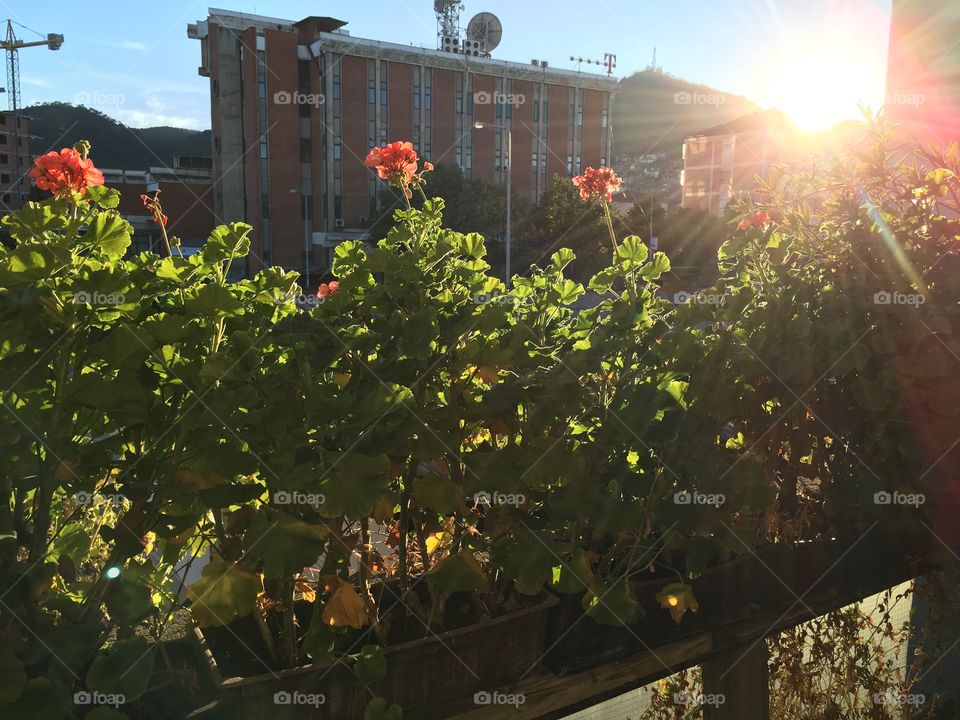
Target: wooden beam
[
  {"x": 545, "y": 693},
  {"x": 736, "y": 683}
]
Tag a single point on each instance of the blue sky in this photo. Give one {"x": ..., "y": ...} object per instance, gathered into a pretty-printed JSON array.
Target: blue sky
[{"x": 133, "y": 60}]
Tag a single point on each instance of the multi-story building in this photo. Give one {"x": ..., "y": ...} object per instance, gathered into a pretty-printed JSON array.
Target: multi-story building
[
  {"x": 923, "y": 71},
  {"x": 14, "y": 185},
  {"x": 296, "y": 106},
  {"x": 186, "y": 193},
  {"x": 725, "y": 161}
]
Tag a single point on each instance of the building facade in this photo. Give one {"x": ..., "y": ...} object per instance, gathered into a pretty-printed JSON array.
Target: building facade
[
  {"x": 14, "y": 185},
  {"x": 296, "y": 107},
  {"x": 186, "y": 193},
  {"x": 725, "y": 161}
]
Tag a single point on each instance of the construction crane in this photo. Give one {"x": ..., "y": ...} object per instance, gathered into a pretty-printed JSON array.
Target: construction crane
[{"x": 12, "y": 45}]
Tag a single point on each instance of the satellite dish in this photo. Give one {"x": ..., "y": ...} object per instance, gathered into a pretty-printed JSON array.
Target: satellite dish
[{"x": 485, "y": 28}]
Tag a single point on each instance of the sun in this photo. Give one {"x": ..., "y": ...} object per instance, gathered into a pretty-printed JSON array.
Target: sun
[{"x": 816, "y": 90}]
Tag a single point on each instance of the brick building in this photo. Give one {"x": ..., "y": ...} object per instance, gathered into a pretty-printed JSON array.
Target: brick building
[
  {"x": 296, "y": 106},
  {"x": 186, "y": 192},
  {"x": 923, "y": 71},
  {"x": 14, "y": 185},
  {"x": 724, "y": 161}
]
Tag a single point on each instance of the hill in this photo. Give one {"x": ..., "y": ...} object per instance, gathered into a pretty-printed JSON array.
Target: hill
[
  {"x": 117, "y": 146},
  {"x": 654, "y": 111}
]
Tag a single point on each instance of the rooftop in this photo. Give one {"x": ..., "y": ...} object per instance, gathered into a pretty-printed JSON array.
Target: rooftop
[{"x": 332, "y": 36}]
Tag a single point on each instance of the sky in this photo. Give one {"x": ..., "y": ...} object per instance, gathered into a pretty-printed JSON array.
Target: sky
[{"x": 815, "y": 59}]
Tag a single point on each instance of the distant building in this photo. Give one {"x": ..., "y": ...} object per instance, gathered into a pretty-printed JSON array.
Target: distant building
[
  {"x": 186, "y": 193},
  {"x": 14, "y": 185},
  {"x": 923, "y": 71},
  {"x": 296, "y": 106},
  {"x": 725, "y": 161}
]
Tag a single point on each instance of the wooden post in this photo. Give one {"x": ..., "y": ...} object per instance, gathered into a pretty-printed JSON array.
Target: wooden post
[{"x": 736, "y": 683}]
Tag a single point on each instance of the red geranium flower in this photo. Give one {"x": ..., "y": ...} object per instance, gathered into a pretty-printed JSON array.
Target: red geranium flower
[
  {"x": 327, "y": 289},
  {"x": 153, "y": 205},
  {"x": 602, "y": 182},
  {"x": 397, "y": 164},
  {"x": 760, "y": 219},
  {"x": 65, "y": 173}
]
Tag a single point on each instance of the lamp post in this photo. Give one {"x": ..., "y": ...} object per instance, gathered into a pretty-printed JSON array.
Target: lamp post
[{"x": 481, "y": 126}]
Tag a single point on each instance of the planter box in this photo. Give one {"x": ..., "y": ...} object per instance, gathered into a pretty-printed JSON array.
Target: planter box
[
  {"x": 422, "y": 674},
  {"x": 762, "y": 584}
]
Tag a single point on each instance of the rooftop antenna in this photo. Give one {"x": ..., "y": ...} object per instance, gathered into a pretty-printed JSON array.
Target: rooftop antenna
[
  {"x": 653, "y": 67},
  {"x": 448, "y": 24}
]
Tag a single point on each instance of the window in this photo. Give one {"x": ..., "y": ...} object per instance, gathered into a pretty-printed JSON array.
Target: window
[
  {"x": 5, "y": 179},
  {"x": 4, "y": 159},
  {"x": 416, "y": 88},
  {"x": 337, "y": 150},
  {"x": 458, "y": 153},
  {"x": 535, "y": 161},
  {"x": 604, "y": 117},
  {"x": 3, "y": 139},
  {"x": 569, "y": 164},
  {"x": 428, "y": 89},
  {"x": 383, "y": 91},
  {"x": 372, "y": 91},
  {"x": 336, "y": 86},
  {"x": 580, "y": 115},
  {"x": 459, "y": 101}
]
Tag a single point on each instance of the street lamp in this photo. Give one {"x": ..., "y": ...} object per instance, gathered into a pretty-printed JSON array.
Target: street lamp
[{"x": 480, "y": 126}]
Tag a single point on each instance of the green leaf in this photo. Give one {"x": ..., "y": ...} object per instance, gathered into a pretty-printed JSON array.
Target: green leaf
[
  {"x": 105, "y": 197},
  {"x": 380, "y": 709},
  {"x": 124, "y": 670},
  {"x": 656, "y": 267},
  {"x": 526, "y": 561},
  {"x": 227, "y": 241},
  {"x": 612, "y": 602},
  {"x": 28, "y": 264},
  {"x": 458, "y": 573},
  {"x": 562, "y": 257},
  {"x": 371, "y": 664},
  {"x": 110, "y": 233},
  {"x": 633, "y": 250},
  {"x": 42, "y": 699},
  {"x": 569, "y": 291},
  {"x": 13, "y": 679},
  {"x": 284, "y": 543},
  {"x": 129, "y": 602},
  {"x": 354, "y": 484},
  {"x": 225, "y": 592},
  {"x": 438, "y": 493},
  {"x": 213, "y": 301},
  {"x": 473, "y": 246},
  {"x": 104, "y": 712}
]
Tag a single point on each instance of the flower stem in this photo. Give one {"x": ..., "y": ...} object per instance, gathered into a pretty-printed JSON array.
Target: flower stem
[{"x": 609, "y": 220}]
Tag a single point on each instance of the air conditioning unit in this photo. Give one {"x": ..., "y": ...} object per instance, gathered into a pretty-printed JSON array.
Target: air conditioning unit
[{"x": 339, "y": 223}]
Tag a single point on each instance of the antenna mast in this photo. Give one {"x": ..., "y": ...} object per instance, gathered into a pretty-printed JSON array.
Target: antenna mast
[{"x": 449, "y": 31}]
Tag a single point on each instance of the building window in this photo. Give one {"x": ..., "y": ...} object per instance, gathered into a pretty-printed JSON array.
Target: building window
[
  {"x": 383, "y": 91},
  {"x": 416, "y": 88},
  {"x": 372, "y": 91},
  {"x": 337, "y": 150},
  {"x": 3, "y": 139},
  {"x": 459, "y": 101},
  {"x": 569, "y": 164},
  {"x": 428, "y": 89},
  {"x": 580, "y": 115},
  {"x": 336, "y": 86},
  {"x": 535, "y": 160},
  {"x": 5, "y": 179},
  {"x": 604, "y": 117},
  {"x": 458, "y": 154}
]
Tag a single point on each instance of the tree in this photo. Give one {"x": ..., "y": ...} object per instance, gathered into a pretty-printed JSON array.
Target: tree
[
  {"x": 472, "y": 204},
  {"x": 562, "y": 219}
]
